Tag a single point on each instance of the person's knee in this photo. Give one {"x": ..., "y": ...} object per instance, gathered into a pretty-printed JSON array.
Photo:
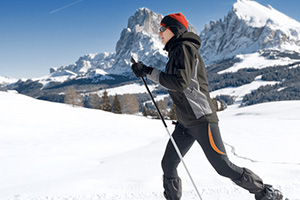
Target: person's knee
[
  {"x": 228, "y": 169},
  {"x": 222, "y": 172}
]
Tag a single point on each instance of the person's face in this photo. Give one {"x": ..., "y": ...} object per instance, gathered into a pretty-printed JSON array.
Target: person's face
[{"x": 165, "y": 35}]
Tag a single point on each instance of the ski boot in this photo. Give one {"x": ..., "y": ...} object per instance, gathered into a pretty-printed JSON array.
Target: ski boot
[
  {"x": 269, "y": 193},
  {"x": 255, "y": 185},
  {"x": 173, "y": 188}
]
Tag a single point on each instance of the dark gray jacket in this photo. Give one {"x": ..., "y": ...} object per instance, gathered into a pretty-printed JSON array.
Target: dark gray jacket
[{"x": 185, "y": 79}]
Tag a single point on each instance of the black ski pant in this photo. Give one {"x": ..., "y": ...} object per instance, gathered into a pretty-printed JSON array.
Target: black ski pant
[{"x": 209, "y": 138}]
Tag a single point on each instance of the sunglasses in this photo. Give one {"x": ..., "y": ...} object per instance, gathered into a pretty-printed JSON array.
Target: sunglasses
[{"x": 163, "y": 28}]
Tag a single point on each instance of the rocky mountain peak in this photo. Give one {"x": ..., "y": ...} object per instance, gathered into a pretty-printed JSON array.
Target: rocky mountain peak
[
  {"x": 143, "y": 25},
  {"x": 144, "y": 20},
  {"x": 257, "y": 15},
  {"x": 248, "y": 28},
  {"x": 140, "y": 39}
]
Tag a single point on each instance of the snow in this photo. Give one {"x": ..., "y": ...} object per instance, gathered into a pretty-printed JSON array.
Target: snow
[
  {"x": 86, "y": 66},
  {"x": 258, "y": 15},
  {"x": 7, "y": 80},
  {"x": 239, "y": 92},
  {"x": 256, "y": 61},
  {"x": 248, "y": 28},
  {"x": 133, "y": 88},
  {"x": 101, "y": 72},
  {"x": 58, "y": 152}
]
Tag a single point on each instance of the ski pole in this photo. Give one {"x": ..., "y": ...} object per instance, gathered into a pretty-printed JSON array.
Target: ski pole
[{"x": 171, "y": 137}]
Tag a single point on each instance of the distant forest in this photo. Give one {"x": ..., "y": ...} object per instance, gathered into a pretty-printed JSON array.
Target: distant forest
[{"x": 287, "y": 88}]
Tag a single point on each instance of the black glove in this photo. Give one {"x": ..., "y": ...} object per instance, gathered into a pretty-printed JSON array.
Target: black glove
[{"x": 140, "y": 70}]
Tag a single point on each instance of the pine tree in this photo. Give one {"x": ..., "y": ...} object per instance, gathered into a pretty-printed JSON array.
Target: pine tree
[
  {"x": 116, "y": 106},
  {"x": 144, "y": 112},
  {"x": 105, "y": 102}
]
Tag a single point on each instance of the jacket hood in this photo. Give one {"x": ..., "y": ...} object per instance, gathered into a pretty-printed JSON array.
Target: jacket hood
[{"x": 185, "y": 37}]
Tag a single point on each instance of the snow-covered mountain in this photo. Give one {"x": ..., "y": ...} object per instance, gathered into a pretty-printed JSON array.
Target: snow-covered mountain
[
  {"x": 253, "y": 54},
  {"x": 249, "y": 28},
  {"x": 256, "y": 35},
  {"x": 250, "y": 36},
  {"x": 4, "y": 80},
  {"x": 140, "y": 39}
]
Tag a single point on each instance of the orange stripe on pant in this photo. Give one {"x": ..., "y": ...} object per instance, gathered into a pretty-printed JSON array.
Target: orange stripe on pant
[{"x": 212, "y": 143}]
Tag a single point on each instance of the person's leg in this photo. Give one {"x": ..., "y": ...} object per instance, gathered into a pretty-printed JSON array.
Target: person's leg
[
  {"x": 209, "y": 137},
  {"x": 170, "y": 161}
]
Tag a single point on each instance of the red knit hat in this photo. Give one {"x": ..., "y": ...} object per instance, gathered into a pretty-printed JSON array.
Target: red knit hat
[{"x": 176, "y": 23}]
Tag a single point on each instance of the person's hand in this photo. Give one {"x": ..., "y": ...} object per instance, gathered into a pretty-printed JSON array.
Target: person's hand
[{"x": 140, "y": 70}]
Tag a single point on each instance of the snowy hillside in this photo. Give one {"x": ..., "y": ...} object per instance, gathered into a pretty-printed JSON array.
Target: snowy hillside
[
  {"x": 248, "y": 28},
  {"x": 54, "y": 151}
]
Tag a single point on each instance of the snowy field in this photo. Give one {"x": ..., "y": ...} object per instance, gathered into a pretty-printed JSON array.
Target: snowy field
[{"x": 51, "y": 151}]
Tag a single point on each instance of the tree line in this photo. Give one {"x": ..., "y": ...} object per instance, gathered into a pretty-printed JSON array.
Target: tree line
[
  {"x": 129, "y": 104},
  {"x": 119, "y": 104}
]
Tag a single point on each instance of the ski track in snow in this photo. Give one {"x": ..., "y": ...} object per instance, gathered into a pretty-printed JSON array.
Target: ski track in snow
[{"x": 233, "y": 151}]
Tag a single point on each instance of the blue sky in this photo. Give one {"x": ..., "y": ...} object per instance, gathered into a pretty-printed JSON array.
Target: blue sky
[{"x": 38, "y": 34}]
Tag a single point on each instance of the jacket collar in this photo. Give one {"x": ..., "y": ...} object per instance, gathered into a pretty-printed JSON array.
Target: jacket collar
[{"x": 170, "y": 43}]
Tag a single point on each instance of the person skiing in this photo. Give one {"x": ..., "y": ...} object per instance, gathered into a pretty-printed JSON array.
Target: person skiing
[{"x": 186, "y": 82}]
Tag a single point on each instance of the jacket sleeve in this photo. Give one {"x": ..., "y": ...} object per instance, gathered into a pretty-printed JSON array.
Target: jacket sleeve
[{"x": 181, "y": 70}]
